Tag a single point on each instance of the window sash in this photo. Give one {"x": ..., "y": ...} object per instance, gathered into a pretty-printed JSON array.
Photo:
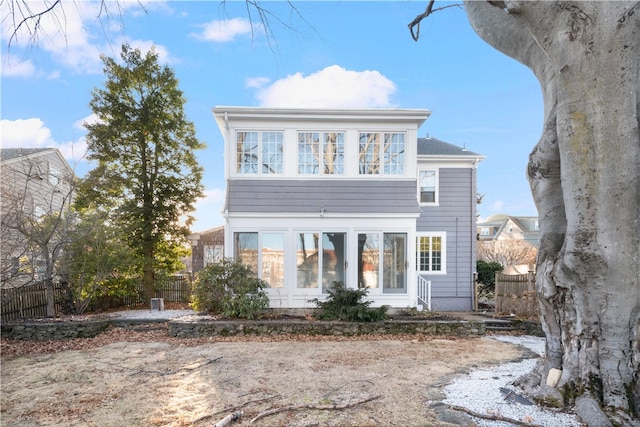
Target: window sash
[
  {"x": 382, "y": 153},
  {"x": 259, "y": 152},
  {"x": 428, "y": 186},
  {"x": 321, "y": 153},
  {"x": 263, "y": 253},
  {"x": 430, "y": 253}
]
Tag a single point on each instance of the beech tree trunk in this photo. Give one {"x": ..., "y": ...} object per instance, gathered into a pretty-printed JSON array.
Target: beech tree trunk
[{"x": 585, "y": 178}]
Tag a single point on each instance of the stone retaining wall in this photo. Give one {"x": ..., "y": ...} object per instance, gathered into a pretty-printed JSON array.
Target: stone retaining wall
[
  {"x": 198, "y": 329},
  {"x": 54, "y": 331}
]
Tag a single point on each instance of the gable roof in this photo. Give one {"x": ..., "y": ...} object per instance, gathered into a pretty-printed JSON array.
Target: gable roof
[
  {"x": 12, "y": 153},
  {"x": 436, "y": 147}
]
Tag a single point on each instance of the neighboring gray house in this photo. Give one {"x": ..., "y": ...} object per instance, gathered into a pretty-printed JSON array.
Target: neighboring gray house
[
  {"x": 322, "y": 195},
  {"x": 36, "y": 183}
]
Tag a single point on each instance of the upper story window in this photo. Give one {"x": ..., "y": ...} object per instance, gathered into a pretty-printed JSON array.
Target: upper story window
[
  {"x": 381, "y": 153},
  {"x": 54, "y": 175},
  {"x": 428, "y": 182},
  {"x": 321, "y": 153},
  {"x": 259, "y": 152}
]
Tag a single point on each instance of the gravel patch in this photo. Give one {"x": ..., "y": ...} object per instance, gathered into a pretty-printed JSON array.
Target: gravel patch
[
  {"x": 479, "y": 391},
  {"x": 151, "y": 314}
]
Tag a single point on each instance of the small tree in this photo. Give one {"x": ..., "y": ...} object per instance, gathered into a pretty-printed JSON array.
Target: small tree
[{"x": 229, "y": 288}]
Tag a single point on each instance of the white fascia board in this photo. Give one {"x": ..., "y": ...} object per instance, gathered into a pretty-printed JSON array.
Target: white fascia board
[
  {"x": 462, "y": 161},
  {"x": 230, "y": 113}
]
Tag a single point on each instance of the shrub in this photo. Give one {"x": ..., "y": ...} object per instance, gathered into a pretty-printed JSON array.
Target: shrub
[
  {"x": 487, "y": 275},
  {"x": 231, "y": 289},
  {"x": 347, "y": 305}
]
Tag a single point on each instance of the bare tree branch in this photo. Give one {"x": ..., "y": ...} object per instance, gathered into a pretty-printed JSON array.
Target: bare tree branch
[
  {"x": 414, "y": 26},
  {"x": 311, "y": 406}
]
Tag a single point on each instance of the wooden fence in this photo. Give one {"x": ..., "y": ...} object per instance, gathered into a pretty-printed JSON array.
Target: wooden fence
[
  {"x": 29, "y": 301},
  {"x": 516, "y": 294}
]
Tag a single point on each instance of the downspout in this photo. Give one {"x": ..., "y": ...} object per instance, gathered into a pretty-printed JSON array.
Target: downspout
[{"x": 474, "y": 202}]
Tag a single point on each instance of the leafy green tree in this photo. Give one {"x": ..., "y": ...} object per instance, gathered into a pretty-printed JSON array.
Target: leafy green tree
[
  {"x": 97, "y": 262},
  {"x": 147, "y": 177}
]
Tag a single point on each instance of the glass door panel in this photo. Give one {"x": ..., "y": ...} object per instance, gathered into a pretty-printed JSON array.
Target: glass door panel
[
  {"x": 307, "y": 260},
  {"x": 368, "y": 260},
  {"x": 333, "y": 259},
  {"x": 273, "y": 259},
  {"x": 394, "y": 263}
]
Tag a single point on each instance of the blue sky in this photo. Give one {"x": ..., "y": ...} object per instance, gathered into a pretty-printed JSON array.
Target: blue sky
[{"x": 326, "y": 54}]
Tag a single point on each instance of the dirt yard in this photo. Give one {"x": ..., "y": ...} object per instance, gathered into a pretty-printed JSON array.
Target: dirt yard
[{"x": 127, "y": 378}]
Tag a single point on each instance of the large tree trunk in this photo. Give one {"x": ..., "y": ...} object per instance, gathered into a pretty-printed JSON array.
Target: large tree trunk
[{"x": 585, "y": 178}]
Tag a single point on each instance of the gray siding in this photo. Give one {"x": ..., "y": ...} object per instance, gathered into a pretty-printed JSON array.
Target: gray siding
[
  {"x": 455, "y": 215},
  {"x": 308, "y": 196}
]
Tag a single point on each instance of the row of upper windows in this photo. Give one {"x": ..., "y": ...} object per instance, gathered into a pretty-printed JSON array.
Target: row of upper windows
[
  {"x": 262, "y": 152},
  {"x": 323, "y": 153}
]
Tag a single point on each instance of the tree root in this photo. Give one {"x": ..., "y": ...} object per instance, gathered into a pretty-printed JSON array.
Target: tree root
[
  {"x": 311, "y": 406},
  {"x": 493, "y": 417}
]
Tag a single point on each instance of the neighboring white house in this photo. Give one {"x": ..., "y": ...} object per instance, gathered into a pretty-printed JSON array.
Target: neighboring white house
[
  {"x": 512, "y": 241},
  {"x": 36, "y": 182},
  {"x": 510, "y": 227},
  {"x": 322, "y": 195}
]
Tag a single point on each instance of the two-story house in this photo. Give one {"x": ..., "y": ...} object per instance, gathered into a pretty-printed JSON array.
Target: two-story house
[
  {"x": 510, "y": 227},
  {"x": 322, "y": 195},
  {"x": 36, "y": 184}
]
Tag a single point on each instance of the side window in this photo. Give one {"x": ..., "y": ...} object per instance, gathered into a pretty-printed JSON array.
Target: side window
[
  {"x": 428, "y": 183},
  {"x": 431, "y": 250}
]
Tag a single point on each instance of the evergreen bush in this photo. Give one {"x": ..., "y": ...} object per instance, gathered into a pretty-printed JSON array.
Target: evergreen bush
[
  {"x": 346, "y": 305},
  {"x": 231, "y": 289}
]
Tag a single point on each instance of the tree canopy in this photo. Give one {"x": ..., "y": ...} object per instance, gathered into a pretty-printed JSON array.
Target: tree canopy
[{"x": 147, "y": 177}]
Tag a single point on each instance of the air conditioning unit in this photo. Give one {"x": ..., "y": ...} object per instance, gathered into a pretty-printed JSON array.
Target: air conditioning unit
[{"x": 157, "y": 304}]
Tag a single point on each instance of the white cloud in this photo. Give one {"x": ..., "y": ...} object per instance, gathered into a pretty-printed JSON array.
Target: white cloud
[
  {"x": 332, "y": 87},
  {"x": 68, "y": 31},
  {"x": 25, "y": 133},
  {"x": 227, "y": 30},
  {"x": 257, "y": 82},
  {"x": 145, "y": 46},
  {"x": 32, "y": 133},
  {"x": 14, "y": 66},
  {"x": 90, "y": 119}
]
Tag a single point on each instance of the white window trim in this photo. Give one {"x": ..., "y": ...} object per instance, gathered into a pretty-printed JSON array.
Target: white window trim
[
  {"x": 259, "y": 172},
  {"x": 437, "y": 191},
  {"x": 321, "y": 172},
  {"x": 405, "y": 166},
  {"x": 441, "y": 234},
  {"x": 260, "y": 259}
]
